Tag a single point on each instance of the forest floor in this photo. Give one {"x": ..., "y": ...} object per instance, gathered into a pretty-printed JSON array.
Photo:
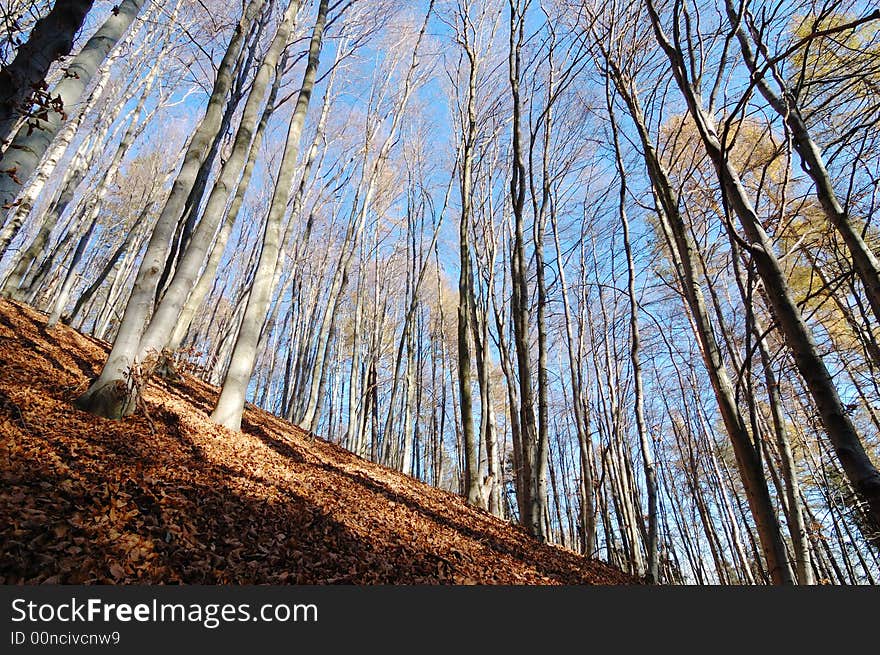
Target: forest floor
[{"x": 167, "y": 496}]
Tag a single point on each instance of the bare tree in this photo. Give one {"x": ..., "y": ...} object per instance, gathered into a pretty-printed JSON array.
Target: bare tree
[
  {"x": 113, "y": 395},
  {"x": 50, "y": 39},
  {"x": 230, "y": 404}
]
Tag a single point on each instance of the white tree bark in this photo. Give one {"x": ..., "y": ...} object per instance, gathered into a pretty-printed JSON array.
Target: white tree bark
[
  {"x": 230, "y": 404},
  {"x": 159, "y": 331},
  {"x": 113, "y": 394},
  {"x": 28, "y": 146},
  {"x": 50, "y": 39}
]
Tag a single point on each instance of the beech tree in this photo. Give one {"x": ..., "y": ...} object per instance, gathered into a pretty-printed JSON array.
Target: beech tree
[
  {"x": 22, "y": 80},
  {"x": 606, "y": 270},
  {"x": 32, "y": 140},
  {"x": 230, "y": 405}
]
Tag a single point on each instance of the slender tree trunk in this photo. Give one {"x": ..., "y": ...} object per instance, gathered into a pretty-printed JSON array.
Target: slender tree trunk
[
  {"x": 785, "y": 104},
  {"x": 684, "y": 261},
  {"x": 856, "y": 463},
  {"x": 159, "y": 331},
  {"x": 124, "y": 247},
  {"x": 28, "y": 146},
  {"x": 652, "y": 574},
  {"x": 472, "y": 482},
  {"x": 90, "y": 213},
  {"x": 230, "y": 404},
  {"x": 113, "y": 394},
  {"x": 70, "y": 277},
  {"x": 50, "y": 39},
  {"x": 356, "y": 223},
  {"x": 796, "y": 526},
  {"x": 534, "y": 504}
]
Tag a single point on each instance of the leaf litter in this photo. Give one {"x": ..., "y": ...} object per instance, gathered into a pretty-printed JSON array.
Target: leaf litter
[{"x": 172, "y": 498}]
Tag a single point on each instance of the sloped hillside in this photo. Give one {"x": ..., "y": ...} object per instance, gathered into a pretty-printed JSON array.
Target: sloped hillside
[{"x": 169, "y": 497}]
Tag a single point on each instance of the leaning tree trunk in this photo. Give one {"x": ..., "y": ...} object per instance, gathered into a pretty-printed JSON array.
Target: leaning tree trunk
[
  {"x": 797, "y": 528},
  {"x": 308, "y": 415},
  {"x": 864, "y": 260},
  {"x": 16, "y": 284},
  {"x": 114, "y": 394},
  {"x": 159, "y": 331},
  {"x": 859, "y": 469},
  {"x": 28, "y": 145},
  {"x": 121, "y": 249},
  {"x": 50, "y": 39},
  {"x": 61, "y": 299},
  {"x": 92, "y": 212},
  {"x": 581, "y": 420},
  {"x": 682, "y": 251},
  {"x": 61, "y": 141},
  {"x": 206, "y": 279},
  {"x": 230, "y": 404},
  {"x": 190, "y": 213}
]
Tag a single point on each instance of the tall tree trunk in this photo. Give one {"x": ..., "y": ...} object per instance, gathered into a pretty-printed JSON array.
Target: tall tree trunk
[
  {"x": 230, "y": 404},
  {"x": 472, "y": 482},
  {"x": 856, "y": 463},
  {"x": 87, "y": 151},
  {"x": 684, "y": 261},
  {"x": 50, "y": 39},
  {"x": 70, "y": 277},
  {"x": 28, "y": 146},
  {"x": 533, "y": 505},
  {"x": 113, "y": 394},
  {"x": 652, "y": 573},
  {"x": 159, "y": 330},
  {"x": 785, "y": 104},
  {"x": 124, "y": 247}
]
